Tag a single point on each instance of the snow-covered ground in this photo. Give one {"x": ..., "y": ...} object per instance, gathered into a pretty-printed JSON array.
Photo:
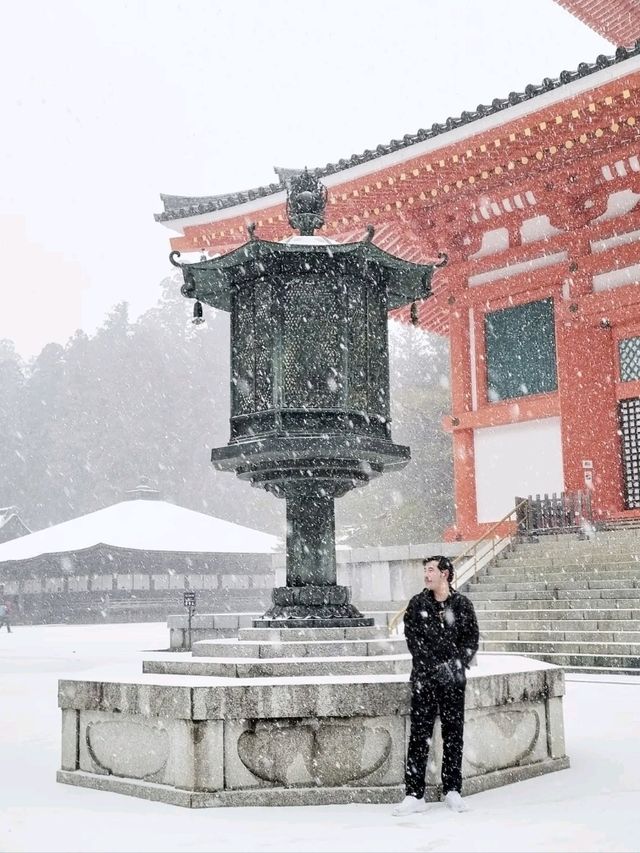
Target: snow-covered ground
[{"x": 594, "y": 806}]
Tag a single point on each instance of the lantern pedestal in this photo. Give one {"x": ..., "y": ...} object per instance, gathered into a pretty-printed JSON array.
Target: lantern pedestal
[
  {"x": 310, "y": 473},
  {"x": 311, "y": 595},
  {"x": 313, "y": 606}
]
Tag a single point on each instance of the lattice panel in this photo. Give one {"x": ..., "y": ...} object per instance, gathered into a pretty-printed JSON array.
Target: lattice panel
[
  {"x": 629, "y": 413},
  {"x": 313, "y": 351},
  {"x": 358, "y": 347},
  {"x": 629, "y": 350},
  {"x": 378, "y": 346},
  {"x": 264, "y": 350},
  {"x": 243, "y": 354}
]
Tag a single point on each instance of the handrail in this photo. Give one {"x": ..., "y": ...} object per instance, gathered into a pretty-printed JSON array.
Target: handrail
[
  {"x": 488, "y": 533},
  {"x": 471, "y": 552}
]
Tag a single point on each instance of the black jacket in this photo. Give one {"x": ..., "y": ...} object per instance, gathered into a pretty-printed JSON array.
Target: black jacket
[{"x": 437, "y": 636}]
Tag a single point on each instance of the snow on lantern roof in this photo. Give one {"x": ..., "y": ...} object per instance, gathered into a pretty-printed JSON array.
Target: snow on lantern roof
[{"x": 142, "y": 525}]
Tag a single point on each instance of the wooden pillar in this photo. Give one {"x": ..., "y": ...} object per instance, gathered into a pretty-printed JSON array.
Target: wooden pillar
[
  {"x": 588, "y": 409},
  {"x": 463, "y": 443}
]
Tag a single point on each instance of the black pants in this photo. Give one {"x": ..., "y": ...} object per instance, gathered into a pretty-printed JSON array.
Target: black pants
[{"x": 427, "y": 700}]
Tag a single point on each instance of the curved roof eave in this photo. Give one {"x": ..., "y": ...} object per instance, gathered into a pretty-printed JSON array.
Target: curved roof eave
[{"x": 205, "y": 209}]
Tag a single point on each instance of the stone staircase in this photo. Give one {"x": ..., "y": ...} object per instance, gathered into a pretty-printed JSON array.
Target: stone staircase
[
  {"x": 286, "y": 652},
  {"x": 564, "y": 600}
]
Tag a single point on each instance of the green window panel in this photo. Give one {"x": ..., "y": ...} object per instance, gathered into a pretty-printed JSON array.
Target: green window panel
[
  {"x": 629, "y": 415},
  {"x": 521, "y": 351},
  {"x": 629, "y": 350}
]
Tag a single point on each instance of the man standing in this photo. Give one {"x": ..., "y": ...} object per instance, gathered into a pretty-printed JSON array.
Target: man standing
[{"x": 441, "y": 631}]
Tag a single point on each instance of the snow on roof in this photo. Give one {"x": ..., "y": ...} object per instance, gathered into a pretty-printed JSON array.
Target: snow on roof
[
  {"x": 144, "y": 525},
  {"x": 7, "y": 513}
]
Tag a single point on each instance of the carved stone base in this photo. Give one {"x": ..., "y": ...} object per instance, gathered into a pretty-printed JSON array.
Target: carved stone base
[
  {"x": 230, "y": 743},
  {"x": 312, "y": 607}
]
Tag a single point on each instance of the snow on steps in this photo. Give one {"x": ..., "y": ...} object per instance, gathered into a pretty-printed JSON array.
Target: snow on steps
[{"x": 563, "y": 600}]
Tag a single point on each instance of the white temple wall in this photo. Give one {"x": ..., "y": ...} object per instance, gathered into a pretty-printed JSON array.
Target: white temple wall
[{"x": 516, "y": 459}]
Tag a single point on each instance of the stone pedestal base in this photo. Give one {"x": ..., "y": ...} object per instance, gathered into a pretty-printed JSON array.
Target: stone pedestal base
[
  {"x": 233, "y": 742},
  {"x": 312, "y": 607}
]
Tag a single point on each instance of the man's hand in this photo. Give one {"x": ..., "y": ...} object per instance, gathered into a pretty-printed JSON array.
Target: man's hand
[{"x": 449, "y": 673}]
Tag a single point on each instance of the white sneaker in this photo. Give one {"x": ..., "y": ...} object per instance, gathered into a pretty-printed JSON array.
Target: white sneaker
[
  {"x": 410, "y": 805},
  {"x": 455, "y": 802}
]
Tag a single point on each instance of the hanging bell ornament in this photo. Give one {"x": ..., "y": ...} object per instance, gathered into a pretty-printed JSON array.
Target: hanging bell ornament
[
  {"x": 197, "y": 313},
  {"x": 415, "y": 321}
]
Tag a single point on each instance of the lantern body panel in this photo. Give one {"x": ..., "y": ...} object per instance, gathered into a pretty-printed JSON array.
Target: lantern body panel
[
  {"x": 310, "y": 416},
  {"x": 309, "y": 354}
]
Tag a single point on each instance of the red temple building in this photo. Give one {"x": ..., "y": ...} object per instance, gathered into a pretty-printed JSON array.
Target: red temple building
[{"x": 535, "y": 200}]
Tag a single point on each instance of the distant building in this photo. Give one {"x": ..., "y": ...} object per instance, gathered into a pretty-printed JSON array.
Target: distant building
[
  {"x": 132, "y": 560},
  {"x": 11, "y": 525}
]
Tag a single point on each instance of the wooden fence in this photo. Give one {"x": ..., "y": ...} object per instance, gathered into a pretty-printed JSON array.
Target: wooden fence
[{"x": 564, "y": 513}]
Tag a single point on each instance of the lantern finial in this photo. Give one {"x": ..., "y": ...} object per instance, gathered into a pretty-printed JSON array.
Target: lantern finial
[{"x": 306, "y": 200}]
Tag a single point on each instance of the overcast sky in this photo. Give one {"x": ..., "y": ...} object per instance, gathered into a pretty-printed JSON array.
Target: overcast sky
[{"x": 106, "y": 104}]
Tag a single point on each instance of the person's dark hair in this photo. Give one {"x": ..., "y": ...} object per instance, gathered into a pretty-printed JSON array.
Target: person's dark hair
[{"x": 444, "y": 565}]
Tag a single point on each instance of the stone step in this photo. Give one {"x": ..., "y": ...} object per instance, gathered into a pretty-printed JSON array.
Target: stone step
[
  {"x": 543, "y": 623},
  {"x": 561, "y": 647},
  {"x": 576, "y": 584},
  {"x": 521, "y": 603},
  {"x": 312, "y": 634},
  {"x": 618, "y": 537},
  {"x": 602, "y": 539},
  {"x": 554, "y": 635},
  {"x": 282, "y": 649},
  {"x": 495, "y": 575},
  {"x": 626, "y": 550},
  {"x": 620, "y": 670},
  {"x": 578, "y": 546},
  {"x": 559, "y": 562},
  {"x": 575, "y": 603},
  {"x": 575, "y": 546},
  {"x": 281, "y": 668},
  {"x": 585, "y": 662},
  {"x": 578, "y": 597},
  {"x": 535, "y": 613},
  {"x": 620, "y": 543},
  {"x": 594, "y": 544}
]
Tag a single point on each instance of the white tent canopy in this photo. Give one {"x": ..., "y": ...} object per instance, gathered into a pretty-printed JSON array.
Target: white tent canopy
[{"x": 144, "y": 525}]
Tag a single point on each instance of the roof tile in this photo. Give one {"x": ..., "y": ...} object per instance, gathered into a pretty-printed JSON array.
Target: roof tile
[{"x": 182, "y": 207}]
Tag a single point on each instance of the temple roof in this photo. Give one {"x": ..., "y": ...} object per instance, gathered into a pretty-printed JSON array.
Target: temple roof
[
  {"x": 181, "y": 207},
  {"x": 7, "y": 512},
  {"x": 618, "y": 21},
  {"x": 141, "y": 525},
  {"x": 11, "y": 523}
]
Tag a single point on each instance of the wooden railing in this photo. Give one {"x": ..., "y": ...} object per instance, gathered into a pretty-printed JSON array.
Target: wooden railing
[
  {"x": 563, "y": 513},
  {"x": 481, "y": 552}
]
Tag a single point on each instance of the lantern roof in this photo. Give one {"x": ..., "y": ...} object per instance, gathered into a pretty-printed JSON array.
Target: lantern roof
[{"x": 212, "y": 279}]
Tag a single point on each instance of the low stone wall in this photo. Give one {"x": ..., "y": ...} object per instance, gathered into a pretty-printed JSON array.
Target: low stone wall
[
  {"x": 235, "y": 743},
  {"x": 387, "y": 573}
]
